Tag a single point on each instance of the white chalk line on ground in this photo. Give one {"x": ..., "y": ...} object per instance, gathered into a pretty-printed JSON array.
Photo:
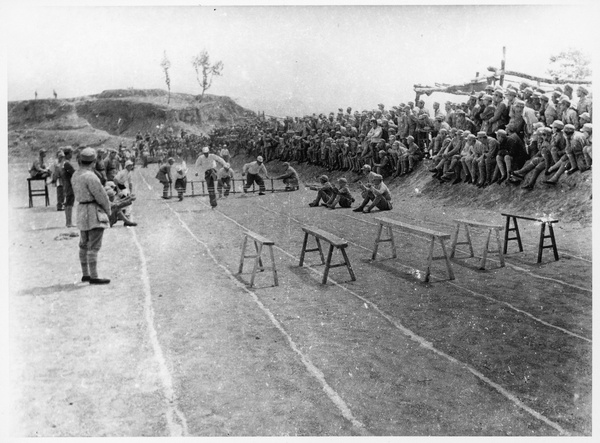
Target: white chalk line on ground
[
  {"x": 312, "y": 369},
  {"x": 477, "y": 294},
  {"x": 175, "y": 418},
  {"x": 516, "y": 268},
  {"x": 423, "y": 342}
]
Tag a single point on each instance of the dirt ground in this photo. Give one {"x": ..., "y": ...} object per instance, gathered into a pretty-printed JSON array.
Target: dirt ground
[{"x": 179, "y": 345}]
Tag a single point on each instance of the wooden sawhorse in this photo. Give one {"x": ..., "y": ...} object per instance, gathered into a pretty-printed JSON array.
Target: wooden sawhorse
[
  {"x": 432, "y": 235},
  {"x": 334, "y": 242},
  {"x": 490, "y": 227},
  {"x": 541, "y": 245},
  {"x": 259, "y": 242}
]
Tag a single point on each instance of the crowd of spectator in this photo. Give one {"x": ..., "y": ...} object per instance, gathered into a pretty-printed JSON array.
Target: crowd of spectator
[{"x": 488, "y": 139}]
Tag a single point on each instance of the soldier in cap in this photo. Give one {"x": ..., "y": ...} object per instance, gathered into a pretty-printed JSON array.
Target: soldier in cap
[
  {"x": 207, "y": 168},
  {"x": 584, "y": 104},
  {"x": 164, "y": 177},
  {"x": 252, "y": 172},
  {"x": 92, "y": 215},
  {"x": 501, "y": 113},
  {"x": 558, "y": 145},
  {"x": 181, "y": 180},
  {"x": 567, "y": 113},
  {"x": 511, "y": 153},
  {"x": 535, "y": 165},
  {"x": 379, "y": 196},
  {"x": 290, "y": 178},
  {"x": 224, "y": 177},
  {"x": 111, "y": 165},
  {"x": 57, "y": 180},
  {"x": 324, "y": 191},
  {"x": 38, "y": 168},
  {"x": 341, "y": 195}
]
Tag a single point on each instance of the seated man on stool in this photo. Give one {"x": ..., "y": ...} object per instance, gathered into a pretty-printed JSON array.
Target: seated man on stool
[
  {"x": 38, "y": 169},
  {"x": 377, "y": 193}
]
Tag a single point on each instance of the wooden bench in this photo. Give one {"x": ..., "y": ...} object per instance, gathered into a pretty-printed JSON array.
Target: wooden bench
[
  {"x": 391, "y": 224},
  {"x": 334, "y": 242},
  {"x": 259, "y": 242},
  {"x": 544, "y": 221},
  {"x": 474, "y": 224},
  {"x": 39, "y": 192}
]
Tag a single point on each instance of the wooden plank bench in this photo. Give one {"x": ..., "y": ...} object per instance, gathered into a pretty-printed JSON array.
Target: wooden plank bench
[
  {"x": 475, "y": 224},
  {"x": 334, "y": 242},
  {"x": 544, "y": 221},
  {"x": 391, "y": 224},
  {"x": 259, "y": 242},
  {"x": 39, "y": 192}
]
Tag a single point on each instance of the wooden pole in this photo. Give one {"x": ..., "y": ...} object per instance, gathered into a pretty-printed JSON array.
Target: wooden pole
[{"x": 502, "y": 65}]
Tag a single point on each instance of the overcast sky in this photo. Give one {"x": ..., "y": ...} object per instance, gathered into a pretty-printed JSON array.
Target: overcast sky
[{"x": 324, "y": 56}]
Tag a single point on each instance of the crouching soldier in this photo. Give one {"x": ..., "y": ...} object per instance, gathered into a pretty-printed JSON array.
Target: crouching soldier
[
  {"x": 324, "y": 192},
  {"x": 377, "y": 193},
  {"x": 289, "y": 177},
  {"x": 341, "y": 195}
]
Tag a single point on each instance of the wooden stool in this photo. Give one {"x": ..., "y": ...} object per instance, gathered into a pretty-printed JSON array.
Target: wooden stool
[
  {"x": 334, "y": 242},
  {"x": 259, "y": 242},
  {"x": 541, "y": 245},
  {"x": 489, "y": 227},
  {"x": 37, "y": 192}
]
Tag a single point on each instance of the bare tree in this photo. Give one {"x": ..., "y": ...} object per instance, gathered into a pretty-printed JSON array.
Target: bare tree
[
  {"x": 202, "y": 66},
  {"x": 166, "y": 64}
]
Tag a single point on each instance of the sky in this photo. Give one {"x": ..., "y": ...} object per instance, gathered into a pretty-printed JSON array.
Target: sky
[{"x": 316, "y": 58}]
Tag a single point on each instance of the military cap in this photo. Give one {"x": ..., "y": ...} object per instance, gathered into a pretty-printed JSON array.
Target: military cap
[
  {"x": 585, "y": 116},
  {"x": 544, "y": 97},
  {"x": 538, "y": 125},
  {"x": 342, "y": 180},
  {"x": 519, "y": 103},
  {"x": 382, "y": 152},
  {"x": 511, "y": 92},
  {"x": 377, "y": 177},
  {"x": 128, "y": 163},
  {"x": 205, "y": 150},
  {"x": 556, "y": 93},
  {"x": 547, "y": 130},
  {"x": 471, "y": 137},
  {"x": 367, "y": 167},
  {"x": 537, "y": 94},
  {"x": 565, "y": 99},
  {"x": 559, "y": 89},
  {"x": 481, "y": 134},
  {"x": 489, "y": 88},
  {"x": 60, "y": 153},
  {"x": 558, "y": 124},
  {"x": 410, "y": 137},
  {"x": 87, "y": 155},
  {"x": 323, "y": 179},
  {"x": 486, "y": 97},
  {"x": 583, "y": 89},
  {"x": 528, "y": 89},
  {"x": 569, "y": 128},
  {"x": 499, "y": 92},
  {"x": 259, "y": 159},
  {"x": 460, "y": 112},
  {"x": 501, "y": 132},
  {"x": 587, "y": 127}
]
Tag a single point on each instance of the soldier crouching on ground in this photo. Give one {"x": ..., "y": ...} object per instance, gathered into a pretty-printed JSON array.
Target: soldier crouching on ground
[
  {"x": 377, "y": 193},
  {"x": 341, "y": 195},
  {"x": 324, "y": 192},
  {"x": 289, "y": 177}
]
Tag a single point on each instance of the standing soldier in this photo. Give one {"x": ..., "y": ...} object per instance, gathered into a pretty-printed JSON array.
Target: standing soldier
[{"x": 92, "y": 215}]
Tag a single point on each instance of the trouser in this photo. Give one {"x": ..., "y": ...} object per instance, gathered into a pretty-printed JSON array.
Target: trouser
[
  {"x": 224, "y": 183},
  {"x": 504, "y": 164},
  {"x": 324, "y": 195},
  {"x": 60, "y": 197},
  {"x": 574, "y": 155},
  {"x": 180, "y": 187},
  {"x": 377, "y": 201},
  {"x": 587, "y": 156},
  {"x": 537, "y": 165},
  {"x": 254, "y": 178},
  {"x": 166, "y": 189},
  {"x": 90, "y": 243},
  {"x": 209, "y": 176}
]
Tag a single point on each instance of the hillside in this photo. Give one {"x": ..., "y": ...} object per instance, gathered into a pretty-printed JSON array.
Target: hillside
[{"x": 113, "y": 117}]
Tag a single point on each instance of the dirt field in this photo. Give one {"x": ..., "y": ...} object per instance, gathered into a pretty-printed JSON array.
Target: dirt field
[{"x": 179, "y": 345}]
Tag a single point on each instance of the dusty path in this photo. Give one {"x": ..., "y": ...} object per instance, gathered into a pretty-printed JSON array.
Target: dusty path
[{"x": 178, "y": 345}]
